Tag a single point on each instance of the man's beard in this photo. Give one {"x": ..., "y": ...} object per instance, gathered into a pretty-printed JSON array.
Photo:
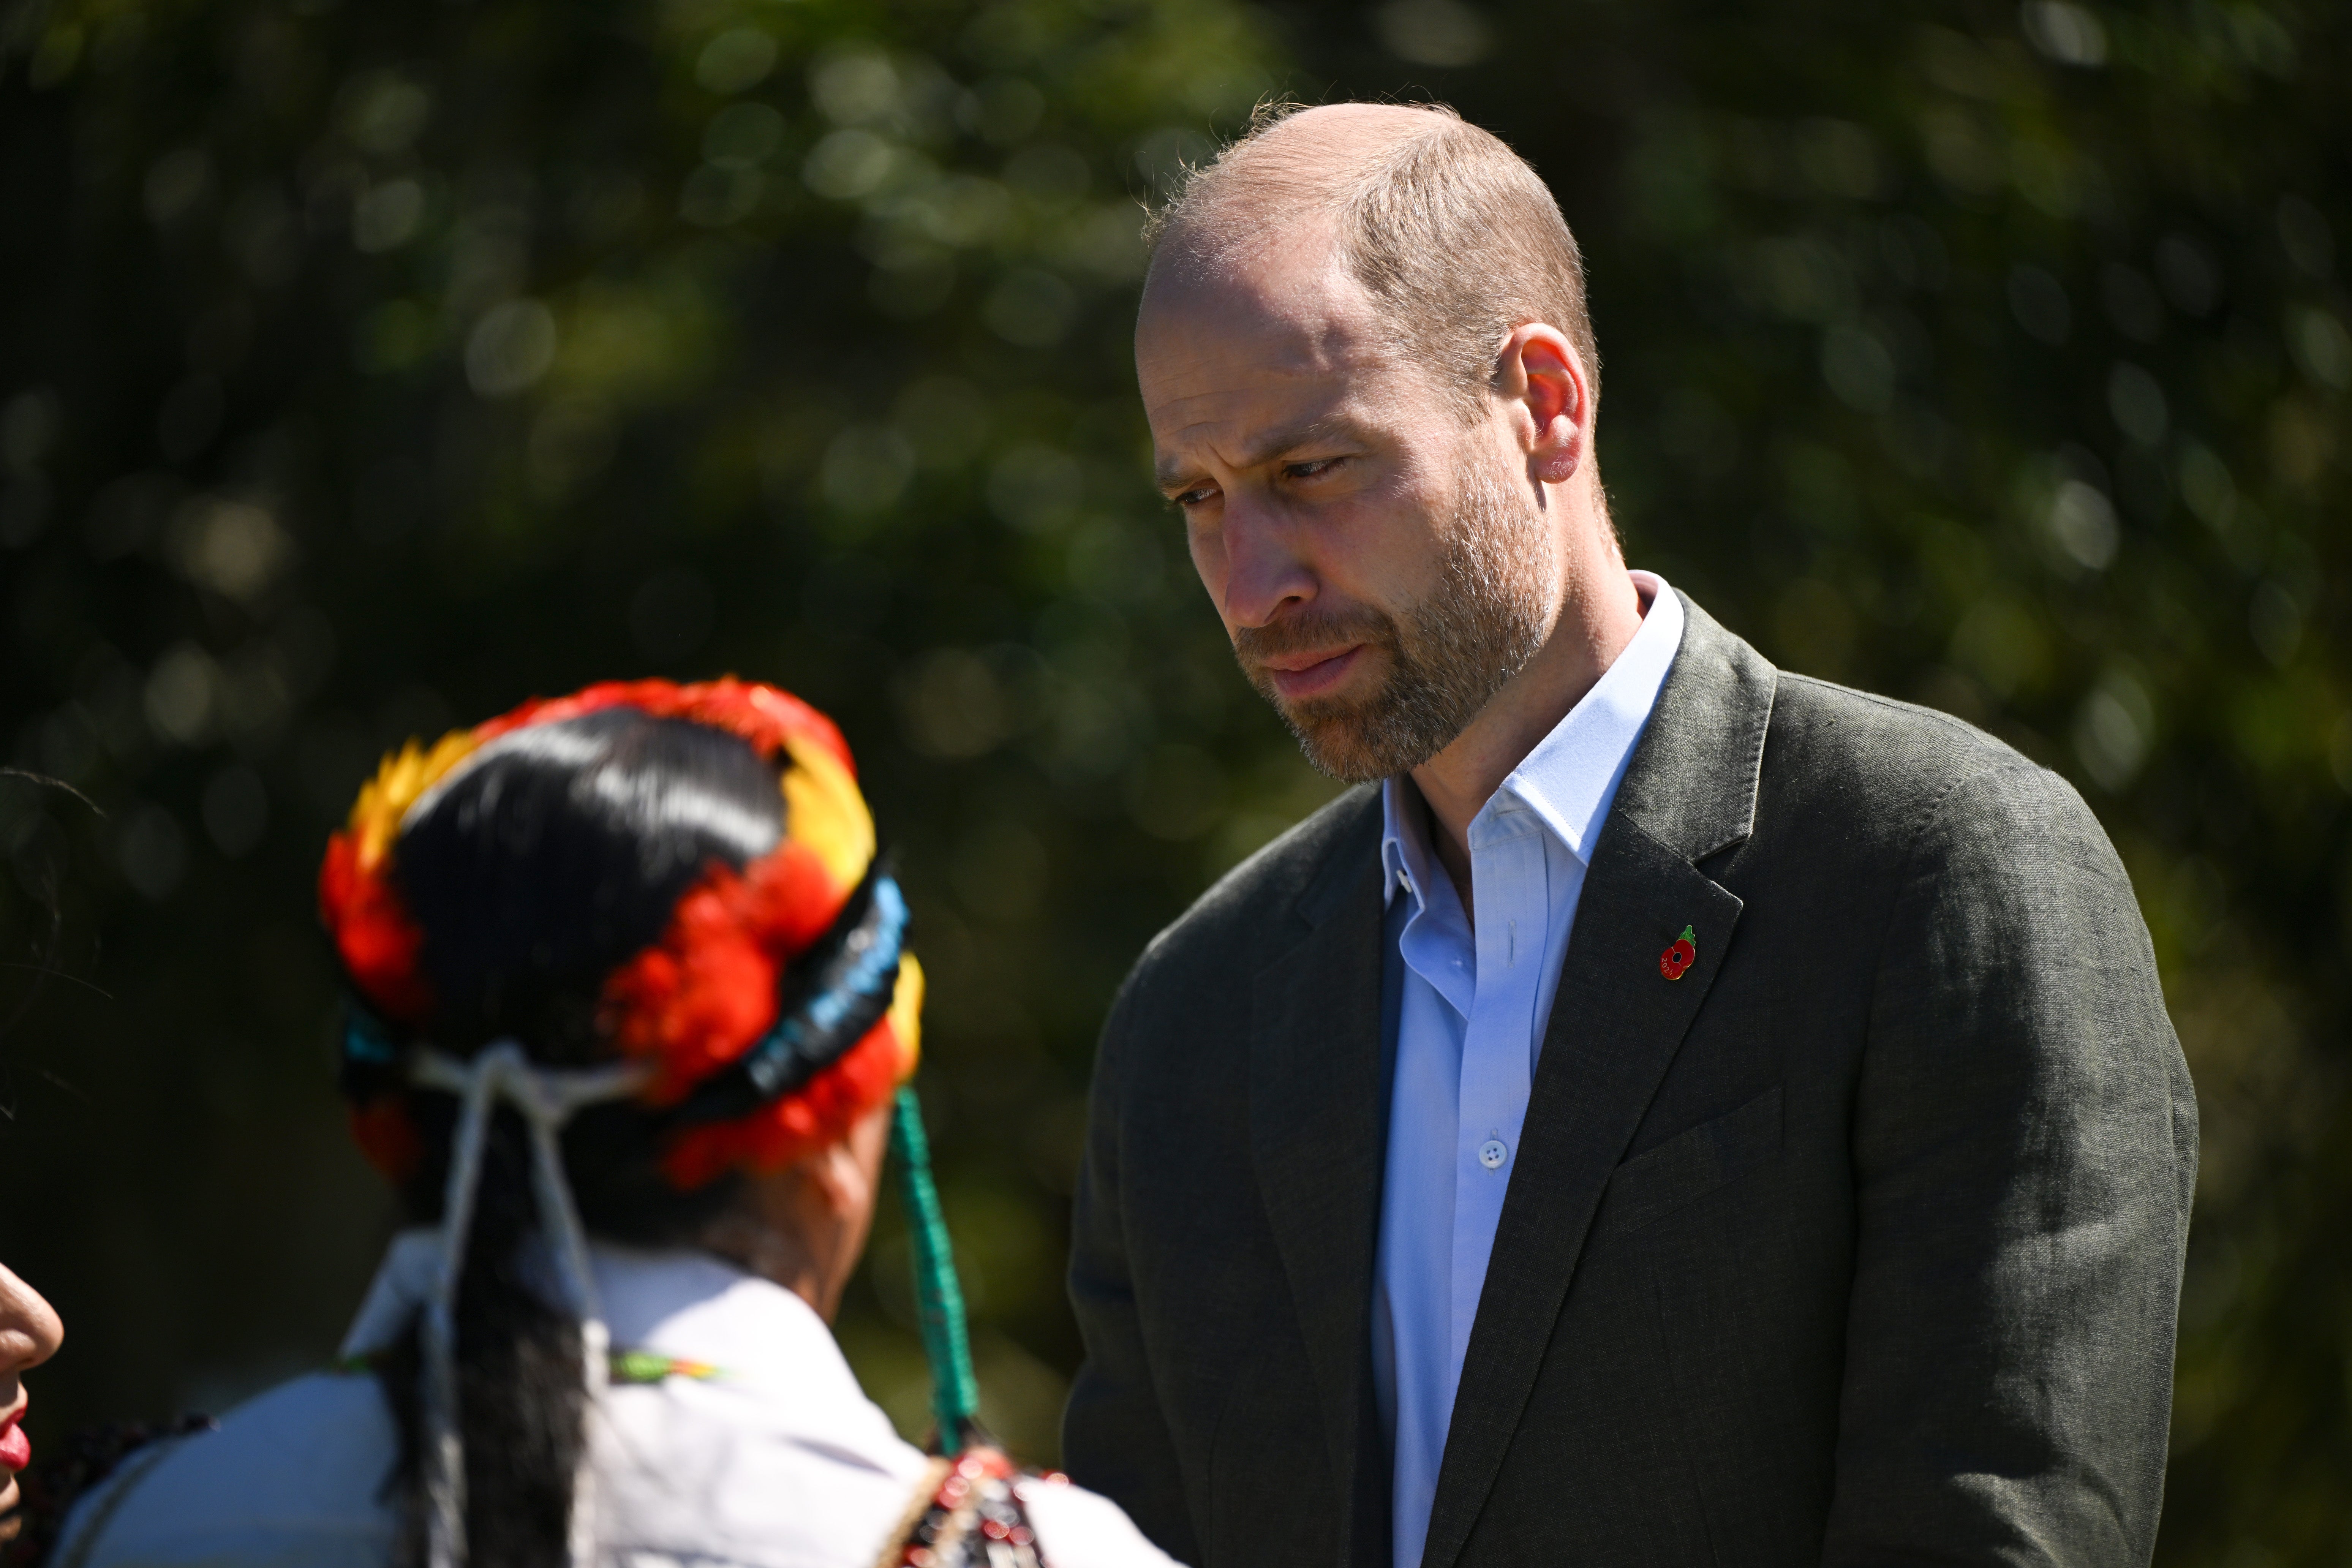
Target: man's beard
[{"x": 1447, "y": 656}]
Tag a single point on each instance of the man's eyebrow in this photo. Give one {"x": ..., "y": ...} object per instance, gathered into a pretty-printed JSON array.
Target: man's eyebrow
[
  {"x": 1172, "y": 473},
  {"x": 1330, "y": 426}
]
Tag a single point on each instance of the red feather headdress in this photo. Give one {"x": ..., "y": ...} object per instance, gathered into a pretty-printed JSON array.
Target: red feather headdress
[{"x": 706, "y": 991}]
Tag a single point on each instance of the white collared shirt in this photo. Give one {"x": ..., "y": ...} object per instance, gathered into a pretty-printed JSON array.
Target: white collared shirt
[
  {"x": 1470, "y": 1024},
  {"x": 775, "y": 1459}
]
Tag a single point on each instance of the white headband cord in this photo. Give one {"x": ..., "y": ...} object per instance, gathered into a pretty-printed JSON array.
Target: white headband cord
[{"x": 547, "y": 1098}]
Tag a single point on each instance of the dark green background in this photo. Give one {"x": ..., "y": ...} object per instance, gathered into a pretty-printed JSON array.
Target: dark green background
[{"x": 365, "y": 368}]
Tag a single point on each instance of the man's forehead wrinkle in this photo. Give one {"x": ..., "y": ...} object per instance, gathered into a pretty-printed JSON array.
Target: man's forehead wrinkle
[
  {"x": 1233, "y": 433},
  {"x": 1241, "y": 413},
  {"x": 1262, "y": 372},
  {"x": 1237, "y": 419},
  {"x": 1230, "y": 431},
  {"x": 1185, "y": 371},
  {"x": 1185, "y": 363}
]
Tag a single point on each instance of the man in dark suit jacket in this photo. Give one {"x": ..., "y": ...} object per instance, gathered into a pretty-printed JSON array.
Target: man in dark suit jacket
[{"x": 1794, "y": 1164}]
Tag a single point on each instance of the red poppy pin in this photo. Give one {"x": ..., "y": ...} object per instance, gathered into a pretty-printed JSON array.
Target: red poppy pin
[{"x": 1679, "y": 957}]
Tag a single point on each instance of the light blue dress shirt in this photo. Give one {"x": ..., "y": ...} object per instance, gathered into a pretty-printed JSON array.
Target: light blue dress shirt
[{"x": 1470, "y": 1022}]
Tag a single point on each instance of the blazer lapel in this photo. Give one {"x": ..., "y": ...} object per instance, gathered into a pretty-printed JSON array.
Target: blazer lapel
[
  {"x": 1317, "y": 1121},
  {"x": 1616, "y": 1023}
]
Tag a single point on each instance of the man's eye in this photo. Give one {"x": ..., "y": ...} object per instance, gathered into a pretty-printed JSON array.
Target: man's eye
[
  {"x": 1190, "y": 498},
  {"x": 1314, "y": 468}
]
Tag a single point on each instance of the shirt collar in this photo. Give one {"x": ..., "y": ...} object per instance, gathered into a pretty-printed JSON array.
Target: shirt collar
[
  {"x": 1404, "y": 842},
  {"x": 1569, "y": 778}
]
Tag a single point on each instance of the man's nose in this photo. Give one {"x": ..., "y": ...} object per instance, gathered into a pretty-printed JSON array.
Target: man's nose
[
  {"x": 30, "y": 1331},
  {"x": 1264, "y": 570}
]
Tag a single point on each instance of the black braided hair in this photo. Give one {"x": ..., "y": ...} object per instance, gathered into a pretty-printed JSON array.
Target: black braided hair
[{"x": 549, "y": 859}]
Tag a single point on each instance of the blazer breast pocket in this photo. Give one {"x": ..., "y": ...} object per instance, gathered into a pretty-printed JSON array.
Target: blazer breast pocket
[{"x": 1688, "y": 1166}]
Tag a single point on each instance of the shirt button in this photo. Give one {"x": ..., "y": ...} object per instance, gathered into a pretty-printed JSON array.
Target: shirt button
[{"x": 1492, "y": 1152}]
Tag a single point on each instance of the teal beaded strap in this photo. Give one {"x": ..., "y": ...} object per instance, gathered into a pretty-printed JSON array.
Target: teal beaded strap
[{"x": 939, "y": 1299}]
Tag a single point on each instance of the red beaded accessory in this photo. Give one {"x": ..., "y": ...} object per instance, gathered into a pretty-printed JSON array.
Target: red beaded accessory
[{"x": 968, "y": 1513}]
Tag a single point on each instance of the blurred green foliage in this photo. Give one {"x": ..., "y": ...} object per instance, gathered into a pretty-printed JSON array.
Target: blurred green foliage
[{"x": 367, "y": 369}]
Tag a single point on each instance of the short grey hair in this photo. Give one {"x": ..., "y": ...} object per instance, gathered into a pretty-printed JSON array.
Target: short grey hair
[{"x": 1441, "y": 223}]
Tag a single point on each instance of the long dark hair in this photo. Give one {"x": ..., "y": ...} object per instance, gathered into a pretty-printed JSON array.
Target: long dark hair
[{"x": 546, "y": 860}]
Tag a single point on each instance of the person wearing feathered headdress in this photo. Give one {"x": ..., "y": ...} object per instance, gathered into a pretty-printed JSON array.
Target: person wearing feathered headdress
[{"x": 630, "y": 1010}]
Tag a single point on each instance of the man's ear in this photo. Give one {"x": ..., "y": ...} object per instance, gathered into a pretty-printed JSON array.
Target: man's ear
[{"x": 1541, "y": 369}]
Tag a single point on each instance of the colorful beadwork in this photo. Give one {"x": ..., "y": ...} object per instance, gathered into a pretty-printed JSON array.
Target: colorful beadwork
[
  {"x": 968, "y": 1514},
  {"x": 624, "y": 1367},
  {"x": 647, "y": 1366}
]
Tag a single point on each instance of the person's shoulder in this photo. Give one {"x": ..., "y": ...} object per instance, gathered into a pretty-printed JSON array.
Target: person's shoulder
[
  {"x": 290, "y": 1477},
  {"x": 736, "y": 1472},
  {"x": 1268, "y": 886},
  {"x": 1255, "y": 907},
  {"x": 1883, "y": 770},
  {"x": 1078, "y": 1529},
  {"x": 1819, "y": 725}
]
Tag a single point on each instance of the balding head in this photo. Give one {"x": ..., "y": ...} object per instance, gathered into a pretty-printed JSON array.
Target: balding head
[
  {"x": 1450, "y": 233},
  {"x": 1293, "y": 170}
]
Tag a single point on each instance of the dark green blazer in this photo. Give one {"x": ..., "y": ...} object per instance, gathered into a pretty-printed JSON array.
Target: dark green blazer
[{"x": 1860, "y": 1242}]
